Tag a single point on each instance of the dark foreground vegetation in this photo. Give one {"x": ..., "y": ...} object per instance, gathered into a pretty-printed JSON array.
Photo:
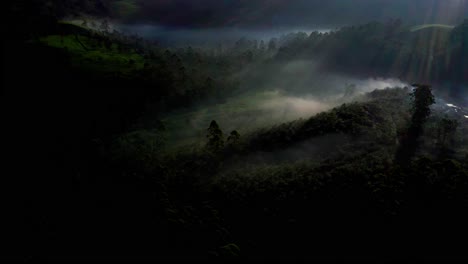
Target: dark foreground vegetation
[{"x": 89, "y": 174}]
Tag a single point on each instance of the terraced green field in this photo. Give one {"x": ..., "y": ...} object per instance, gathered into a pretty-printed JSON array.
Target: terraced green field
[{"x": 90, "y": 54}]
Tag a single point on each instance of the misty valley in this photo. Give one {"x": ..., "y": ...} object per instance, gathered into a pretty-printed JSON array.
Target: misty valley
[{"x": 232, "y": 131}]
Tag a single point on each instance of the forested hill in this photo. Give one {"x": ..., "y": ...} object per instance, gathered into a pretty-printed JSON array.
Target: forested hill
[
  {"x": 90, "y": 176},
  {"x": 67, "y": 89},
  {"x": 431, "y": 54}
]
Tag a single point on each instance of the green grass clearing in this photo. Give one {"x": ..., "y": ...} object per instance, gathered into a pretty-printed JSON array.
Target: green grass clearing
[{"x": 94, "y": 56}]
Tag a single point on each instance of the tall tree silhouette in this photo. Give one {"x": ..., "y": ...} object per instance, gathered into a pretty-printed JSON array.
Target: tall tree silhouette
[
  {"x": 446, "y": 135},
  {"x": 215, "y": 137},
  {"x": 422, "y": 100}
]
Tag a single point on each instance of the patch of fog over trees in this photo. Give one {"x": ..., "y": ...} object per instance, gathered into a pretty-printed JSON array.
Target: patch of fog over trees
[
  {"x": 212, "y": 37},
  {"x": 276, "y": 93}
]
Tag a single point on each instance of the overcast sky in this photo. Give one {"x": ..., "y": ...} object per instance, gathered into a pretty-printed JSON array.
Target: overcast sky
[{"x": 267, "y": 14}]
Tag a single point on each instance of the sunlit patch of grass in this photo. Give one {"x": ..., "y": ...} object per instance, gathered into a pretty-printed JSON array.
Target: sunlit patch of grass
[
  {"x": 93, "y": 56},
  {"x": 65, "y": 42}
]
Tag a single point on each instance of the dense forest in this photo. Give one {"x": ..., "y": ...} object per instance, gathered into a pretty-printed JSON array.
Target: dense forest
[{"x": 350, "y": 144}]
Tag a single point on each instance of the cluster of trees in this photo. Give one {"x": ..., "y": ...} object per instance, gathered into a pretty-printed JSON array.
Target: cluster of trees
[{"x": 216, "y": 141}]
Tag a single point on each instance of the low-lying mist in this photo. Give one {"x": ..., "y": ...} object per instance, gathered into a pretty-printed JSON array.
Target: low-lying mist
[
  {"x": 305, "y": 77},
  {"x": 272, "y": 95}
]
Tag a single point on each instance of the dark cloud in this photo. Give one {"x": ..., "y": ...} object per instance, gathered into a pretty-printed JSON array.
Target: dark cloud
[{"x": 293, "y": 13}]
